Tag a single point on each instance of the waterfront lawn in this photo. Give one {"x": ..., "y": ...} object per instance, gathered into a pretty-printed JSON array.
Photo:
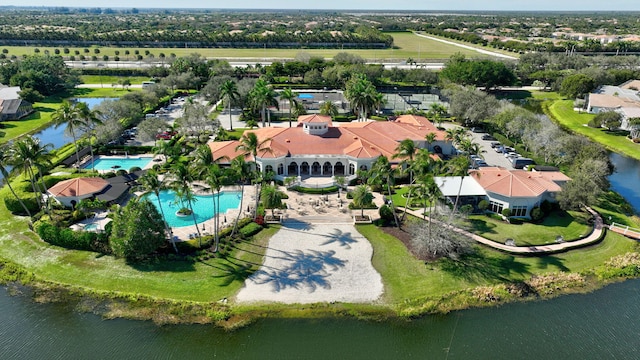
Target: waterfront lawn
[
  {"x": 570, "y": 225},
  {"x": 562, "y": 111},
  {"x": 39, "y": 119},
  {"x": 407, "y": 279}
]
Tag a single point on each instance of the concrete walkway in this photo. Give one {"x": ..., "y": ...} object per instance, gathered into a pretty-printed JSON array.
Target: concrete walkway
[{"x": 595, "y": 236}]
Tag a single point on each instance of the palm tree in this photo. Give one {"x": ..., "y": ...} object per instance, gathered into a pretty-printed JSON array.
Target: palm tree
[
  {"x": 28, "y": 154},
  {"x": 151, "y": 183},
  {"x": 5, "y": 159},
  {"x": 250, "y": 145},
  {"x": 263, "y": 96},
  {"x": 67, "y": 114},
  {"x": 229, "y": 89},
  {"x": 328, "y": 108},
  {"x": 215, "y": 177},
  {"x": 241, "y": 171},
  {"x": 438, "y": 111},
  {"x": 89, "y": 120},
  {"x": 382, "y": 173},
  {"x": 362, "y": 197},
  {"x": 406, "y": 149},
  {"x": 290, "y": 96},
  {"x": 458, "y": 166},
  {"x": 181, "y": 183},
  {"x": 271, "y": 198},
  {"x": 361, "y": 94},
  {"x": 430, "y": 138}
]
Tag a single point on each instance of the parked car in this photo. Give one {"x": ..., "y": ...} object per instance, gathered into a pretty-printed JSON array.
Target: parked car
[
  {"x": 499, "y": 149},
  {"x": 520, "y": 162},
  {"x": 511, "y": 154},
  {"x": 477, "y": 129},
  {"x": 494, "y": 144},
  {"x": 488, "y": 137},
  {"x": 166, "y": 135}
]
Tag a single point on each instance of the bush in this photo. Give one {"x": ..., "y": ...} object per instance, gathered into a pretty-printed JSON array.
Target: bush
[
  {"x": 304, "y": 190},
  {"x": 386, "y": 214},
  {"x": 134, "y": 169},
  {"x": 506, "y": 212},
  {"x": 65, "y": 237},
  {"x": 483, "y": 205},
  {"x": 537, "y": 214},
  {"x": 251, "y": 229},
  {"x": 14, "y": 206}
]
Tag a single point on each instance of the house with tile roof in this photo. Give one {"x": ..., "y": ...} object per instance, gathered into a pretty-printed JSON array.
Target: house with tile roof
[
  {"x": 518, "y": 190},
  {"x": 624, "y": 99},
  {"x": 318, "y": 148}
]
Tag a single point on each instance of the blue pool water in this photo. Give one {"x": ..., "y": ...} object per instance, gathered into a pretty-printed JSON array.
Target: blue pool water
[
  {"x": 305, "y": 96},
  {"x": 106, "y": 164},
  {"x": 202, "y": 207}
]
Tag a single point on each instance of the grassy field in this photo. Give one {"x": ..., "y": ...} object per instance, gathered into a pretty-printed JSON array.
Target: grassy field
[
  {"x": 108, "y": 80},
  {"x": 407, "y": 278},
  {"x": 562, "y": 111},
  {"x": 407, "y": 45},
  {"x": 571, "y": 225}
]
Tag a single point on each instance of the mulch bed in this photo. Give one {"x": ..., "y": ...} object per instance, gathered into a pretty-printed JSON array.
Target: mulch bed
[{"x": 405, "y": 237}]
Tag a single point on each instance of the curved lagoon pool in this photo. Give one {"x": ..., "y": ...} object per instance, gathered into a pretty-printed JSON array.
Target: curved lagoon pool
[{"x": 203, "y": 206}]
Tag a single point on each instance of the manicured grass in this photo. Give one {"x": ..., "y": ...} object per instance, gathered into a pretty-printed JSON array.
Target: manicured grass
[
  {"x": 571, "y": 225},
  {"x": 105, "y": 92},
  {"x": 406, "y": 278},
  {"x": 108, "y": 80},
  {"x": 399, "y": 198},
  {"x": 562, "y": 111},
  {"x": 407, "y": 46},
  {"x": 37, "y": 120}
]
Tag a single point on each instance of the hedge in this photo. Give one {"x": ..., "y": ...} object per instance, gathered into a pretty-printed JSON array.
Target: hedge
[
  {"x": 250, "y": 230},
  {"x": 321, "y": 191},
  {"x": 67, "y": 238}
]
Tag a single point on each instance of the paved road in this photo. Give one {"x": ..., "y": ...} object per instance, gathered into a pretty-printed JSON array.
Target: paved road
[{"x": 482, "y": 51}]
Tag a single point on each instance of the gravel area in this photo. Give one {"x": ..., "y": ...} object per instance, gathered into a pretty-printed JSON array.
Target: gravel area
[{"x": 309, "y": 263}]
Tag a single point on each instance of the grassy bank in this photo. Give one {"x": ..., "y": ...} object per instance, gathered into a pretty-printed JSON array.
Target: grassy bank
[{"x": 562, "y": 112}]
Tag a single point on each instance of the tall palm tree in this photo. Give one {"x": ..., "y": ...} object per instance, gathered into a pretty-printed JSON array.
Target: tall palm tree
[
  {"x": 458, "y": 166},
  {"x": 67, "y": 114},
  {"x": 361, "y": 94},
  {"x": 151, "y": 183},
  {"x": 406, "y": 149},
  {"x": 430, "y": 138},
  {"x": 215, "y": 177},
  {"x": 250, "y": 145},
  {"x": 271, "y": 198},
  {"x": 241, "y": 171},
  {"x": 181, "y": 183},
  {"x": 89, "y": 120},
  {"x": 362, "y": 196},
  {"x": 382, "y": 173},
  {"x": 263, "y": 96},
  {"x": 5, "y": 159},
  {"x": 289, "y": 96},
  {"x": 28, "y": 153},
  {"x": 229, "y": 90}
]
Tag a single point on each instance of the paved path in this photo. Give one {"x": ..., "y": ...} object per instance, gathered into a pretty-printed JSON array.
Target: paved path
[
  {"x": 625, "y": 230},
  {"x": 482, "y": 51},
  {"x": 595, "y": 236}
]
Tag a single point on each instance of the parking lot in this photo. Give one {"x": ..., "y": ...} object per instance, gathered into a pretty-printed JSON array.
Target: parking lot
[{"x": 490, "y": 156}]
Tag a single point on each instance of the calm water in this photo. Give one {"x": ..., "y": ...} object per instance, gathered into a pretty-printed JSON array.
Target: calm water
[
  {"x": 601, "y": 325},
  {"x": 626, "y": 179},
  {"x": 202, "y": 206},
  {"x": 106, "y": 164}
]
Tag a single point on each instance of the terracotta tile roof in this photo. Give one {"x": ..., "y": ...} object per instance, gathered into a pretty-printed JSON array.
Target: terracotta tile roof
[
  {"x": 610, "y": 101},
  {"x": 631, "y": 84},
  {"x": 78, "y": 187},
  {"x": 226, "y": 149},
  {"x": 359, "y": 139},
  {"x": 518, "y": 183},
  {"x": 314, "y": 118}
]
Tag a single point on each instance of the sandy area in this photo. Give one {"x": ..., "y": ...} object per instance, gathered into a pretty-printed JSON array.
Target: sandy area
[{"x": 308, "y": 263}]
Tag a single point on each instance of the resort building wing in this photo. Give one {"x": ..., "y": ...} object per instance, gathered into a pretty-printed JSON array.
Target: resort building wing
[{"x": 318, "y": 148}]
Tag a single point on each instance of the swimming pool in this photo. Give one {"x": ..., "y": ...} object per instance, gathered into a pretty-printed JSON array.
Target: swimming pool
[
  {"x": 305, "y": 96},
  {"x": 202, "y": 207},
  {"x": 117, "y": 163}
]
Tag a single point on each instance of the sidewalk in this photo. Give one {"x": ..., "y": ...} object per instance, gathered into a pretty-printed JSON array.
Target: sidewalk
[{"x": 595, "y": 236}]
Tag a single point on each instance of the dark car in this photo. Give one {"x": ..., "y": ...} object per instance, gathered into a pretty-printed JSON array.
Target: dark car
[
  {"x": 477, "y": 130},
  {"x": 488, "y": 137},
  {"x": 495, "y": 144}
]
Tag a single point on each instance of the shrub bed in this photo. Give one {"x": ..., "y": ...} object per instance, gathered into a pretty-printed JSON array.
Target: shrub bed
[{"x": 304, "y": 190}]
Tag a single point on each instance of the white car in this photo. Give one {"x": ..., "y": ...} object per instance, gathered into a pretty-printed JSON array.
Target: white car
[{"x": 511, "y": 154}]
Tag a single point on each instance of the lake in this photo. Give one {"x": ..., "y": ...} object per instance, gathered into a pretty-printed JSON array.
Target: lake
[{"x": 600, "y": 325}]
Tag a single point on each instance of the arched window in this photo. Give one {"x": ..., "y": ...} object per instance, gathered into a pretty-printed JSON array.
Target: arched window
[
  {"x": 352, "y": 169},
  {"x": 338, "y": 169},
  {"x": 304, "y": 168},
  {"x": 292, "y": 169},
  {"x": 268, "y": 168},
  {"x": 280, "y": 169},
  {"x": 326, "y": 168},
  {"x": 315, "y": 168},
  {"x": 363, "y": 167}
]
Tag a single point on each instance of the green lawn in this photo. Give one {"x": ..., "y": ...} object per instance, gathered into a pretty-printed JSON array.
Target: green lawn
[
  {"x": 406, "y": 278},
  {"x": 108, "y": 80},
  {"x": 407, "y": 45},
  {"x": 571, "y": 225},
  {"x": 562, "y": 111},
  {"x": 37, "y": 120}
]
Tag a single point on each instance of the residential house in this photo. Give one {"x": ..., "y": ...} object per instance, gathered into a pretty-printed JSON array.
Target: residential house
[
  {"x": 12, "y": 107},
  {"x": 624, "y": 99}
]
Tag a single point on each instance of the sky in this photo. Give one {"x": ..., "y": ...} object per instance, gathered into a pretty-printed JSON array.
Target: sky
[{"x": 477, "y": 5}]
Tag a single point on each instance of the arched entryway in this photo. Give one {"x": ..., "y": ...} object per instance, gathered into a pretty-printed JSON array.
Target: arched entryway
[
  {"x": 304, "y": 168},
  {"x": 315, "y": 168},
  {"x": 338, "y": 169},
  {"x": 292, "y": 169},
  {"x": 326, "y": 168}
]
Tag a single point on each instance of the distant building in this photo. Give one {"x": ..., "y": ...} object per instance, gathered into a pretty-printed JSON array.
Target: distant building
[{"x": 624, "y": 99}]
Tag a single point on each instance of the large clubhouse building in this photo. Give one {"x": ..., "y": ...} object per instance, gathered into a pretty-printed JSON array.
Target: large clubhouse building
[{"x": 317, "y": 148}]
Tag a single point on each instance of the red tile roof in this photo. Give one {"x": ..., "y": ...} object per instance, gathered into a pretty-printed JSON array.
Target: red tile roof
[
  {"x": 359, "y": 139},
  {"x": 518, "y": 183},
  {"x": 314, "y": 118},
  {"x": 78, "y": 187}
]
